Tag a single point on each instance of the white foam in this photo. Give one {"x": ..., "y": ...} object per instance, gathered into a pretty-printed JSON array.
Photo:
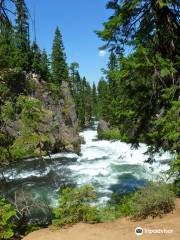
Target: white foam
[
  {"x": 95, "y": 165},
  {"x": 103, "y": 164},
  {"x": 60, "y": 155}
]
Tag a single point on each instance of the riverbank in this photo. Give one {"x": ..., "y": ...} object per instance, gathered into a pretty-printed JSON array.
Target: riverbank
[
  {"x": 120, "y": 229},
  {"x": 109, "y": 166}
]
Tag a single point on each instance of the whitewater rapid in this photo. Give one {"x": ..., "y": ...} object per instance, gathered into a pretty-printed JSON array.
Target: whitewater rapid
[{"x": 110, "y": 166}]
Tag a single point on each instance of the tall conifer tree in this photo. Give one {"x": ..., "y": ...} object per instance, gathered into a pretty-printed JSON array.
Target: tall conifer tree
[
  {"x": 22, "y": 35},
  {"x": 36, "y": 58},
  {"x": 44, "y": 66},
  {"x": 94, "y": 99},
  {"x": 59, "y": 65}
]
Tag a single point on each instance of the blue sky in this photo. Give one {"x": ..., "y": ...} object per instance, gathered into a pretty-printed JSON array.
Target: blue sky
[{"x": 77, "y": 20}]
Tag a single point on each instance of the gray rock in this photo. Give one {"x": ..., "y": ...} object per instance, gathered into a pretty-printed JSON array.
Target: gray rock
[
  {"x": 102, "y": 126},
  {"x": 61, "y": 125}
]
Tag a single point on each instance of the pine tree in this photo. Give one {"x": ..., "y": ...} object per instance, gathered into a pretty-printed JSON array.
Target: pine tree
[
  {"x": 112, "y": 66},
  {"x": 103, "y": 99},
  {"x": 82, "y": 93},
  {"x": 113, "y": 86},
  {"x": 79, "y": 98},
  {"x": 87, "y": 101},
  {"x": 73, "y": 72},
  {"x": 146, "y": 104},
  {"x": 94, "y": 100},
  {"x": 58, "y": 65},
  {"x": 44, "y": 66},
  {"x": 22, "y": 36},
  {"x": 35, "y": 58},
  {"x": 5, "y": 10},
  {"x": 143, "y": 22},
  {"x": 6, "y": 48}
]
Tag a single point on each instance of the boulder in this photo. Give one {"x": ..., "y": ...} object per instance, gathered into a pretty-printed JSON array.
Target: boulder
[{"x": 102, "y": 126}]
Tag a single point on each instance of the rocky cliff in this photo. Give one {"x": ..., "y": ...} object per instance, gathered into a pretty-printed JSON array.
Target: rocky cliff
[{"x": 61, "y": 125}]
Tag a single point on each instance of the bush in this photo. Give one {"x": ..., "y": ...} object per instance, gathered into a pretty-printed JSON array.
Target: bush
[
  {"x": 7, "y": 225},
  {"x": 55, "y": 90},
  {"x": 110, "y": 134},
  {"x": 75, "y": 205},
  {"x": 154, "y": 200},
  {"x": 109, "y": 213}
]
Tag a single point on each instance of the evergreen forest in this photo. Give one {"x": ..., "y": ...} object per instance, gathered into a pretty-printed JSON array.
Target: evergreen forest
[{"x": 72, "y": 129}]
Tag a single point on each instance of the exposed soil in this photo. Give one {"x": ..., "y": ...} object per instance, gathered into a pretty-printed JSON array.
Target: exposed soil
[{"x": 121, "y": 229}]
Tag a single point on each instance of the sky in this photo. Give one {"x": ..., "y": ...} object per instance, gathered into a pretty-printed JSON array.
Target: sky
[{"x": 77, "y": 20}]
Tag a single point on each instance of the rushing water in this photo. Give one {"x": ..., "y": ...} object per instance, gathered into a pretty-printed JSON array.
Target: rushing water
[{"x": 110, "y": 166}]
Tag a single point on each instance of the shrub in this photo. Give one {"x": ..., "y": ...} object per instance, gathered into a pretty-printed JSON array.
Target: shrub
[
  {"x": 55, "y": 90},
  {"x": 30, "y": 228},
  {"x": 7, "y": 225},
  {"x": 125, "y": 206},
  {"x": 75, "y": 205},
  {"x": 109, "y": 213},
  {"x": 154, "y": 200},
  {"x": 112, "y": 134},
  {"x": 175, "y": 172}
]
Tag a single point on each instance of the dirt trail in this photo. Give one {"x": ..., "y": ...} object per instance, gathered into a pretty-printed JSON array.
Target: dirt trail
[{"x": 122, "y": 229}]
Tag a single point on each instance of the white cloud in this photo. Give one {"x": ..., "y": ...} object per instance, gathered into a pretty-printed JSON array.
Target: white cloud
[{"x": 102, "y": 53}]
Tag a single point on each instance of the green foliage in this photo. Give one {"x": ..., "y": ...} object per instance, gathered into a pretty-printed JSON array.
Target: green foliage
[
  {"x": 167, "y": 128},
  {"x": 7, "y": 225},
  {"x": 110, "y": 212},
  {"x": 83, "y": 97},
  {"x": 73, "y": 74},
  {"x": 4, "y": 155},
  {"x": 54, "y": 89},
  {"x": 58, "y": 62},
  {"x": 14, "y": 80},
  {"x": 22, "y": 51},
  {"x": 75, "y": 206},
  {"x": 4, "y": 91},
  {"x": 31, "y": 228},
  {"x": 6, "y": 141},
  {"x": 175, "y": 171},
  {"x": 103, "y": 99},
  {"x": 6, "y": 48},
  {"x": 35, "y": 58},
  {"x": 152, "y": 201},
  {"x": 32, "y": 139},
  {"x": 94, "y": 100},
  {"x": 7, "y": 111},
  {"x": 44, "y": 66},
  {"x": 111, "y": 134},
  {"x": 141, "y": 96},
  {"x": 153, "y": 18}
]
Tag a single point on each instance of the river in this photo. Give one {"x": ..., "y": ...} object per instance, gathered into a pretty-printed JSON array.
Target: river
[{"x": 110, "y": 166}]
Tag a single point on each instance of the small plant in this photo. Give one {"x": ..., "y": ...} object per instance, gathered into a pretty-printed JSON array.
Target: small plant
[
  {"x": 31, "y": 141},
  {"x": 109, "y": 213},
  {"x": 154, "y": 200},
  {"x": 30, "y": 228},
  {"x": 112, "y": 134},
  {"x": 7, "y": 225},
  {"x": 75, "y": 205},
  {"x": 54, "y": 90}
]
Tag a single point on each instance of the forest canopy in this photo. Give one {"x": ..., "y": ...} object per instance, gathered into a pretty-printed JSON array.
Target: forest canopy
[{"x": 142, "y": 88}]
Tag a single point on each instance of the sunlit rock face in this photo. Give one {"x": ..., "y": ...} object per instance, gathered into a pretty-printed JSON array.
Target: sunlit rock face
[{"x": 61, "y": 125}]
